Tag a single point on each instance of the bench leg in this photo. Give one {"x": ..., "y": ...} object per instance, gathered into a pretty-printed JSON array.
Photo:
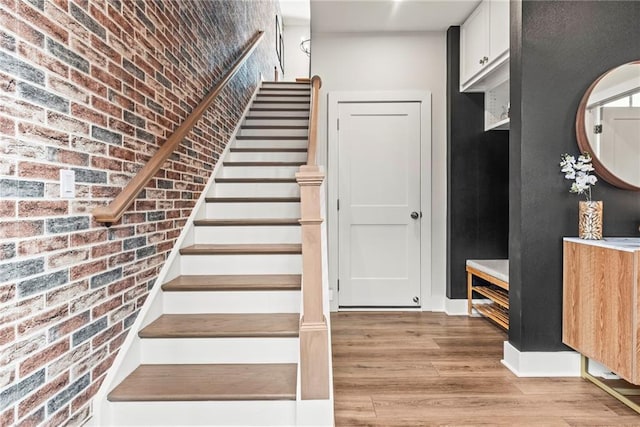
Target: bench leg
[{"x": 469, "y": 292}]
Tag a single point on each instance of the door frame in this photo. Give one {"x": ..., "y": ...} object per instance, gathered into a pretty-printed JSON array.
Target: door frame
[{"x": 424, "y": 98}]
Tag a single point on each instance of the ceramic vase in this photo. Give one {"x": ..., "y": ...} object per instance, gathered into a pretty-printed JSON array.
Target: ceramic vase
[{"x": 590, "y": 220}]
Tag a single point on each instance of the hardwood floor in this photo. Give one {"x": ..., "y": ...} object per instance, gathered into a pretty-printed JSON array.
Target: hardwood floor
[{"x": 423, "y": 369}]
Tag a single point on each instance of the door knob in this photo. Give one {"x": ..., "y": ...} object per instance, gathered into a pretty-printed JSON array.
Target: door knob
[{"x": 415, "y": 215}]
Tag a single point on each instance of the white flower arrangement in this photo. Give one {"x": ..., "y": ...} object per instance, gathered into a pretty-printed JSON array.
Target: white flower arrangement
[{"x": 579, "y": 171}]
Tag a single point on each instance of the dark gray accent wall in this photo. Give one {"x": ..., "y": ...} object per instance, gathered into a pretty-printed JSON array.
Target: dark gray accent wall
[
  {"x": 477, "y": 179},
  {"x": 557, "y": 49}
]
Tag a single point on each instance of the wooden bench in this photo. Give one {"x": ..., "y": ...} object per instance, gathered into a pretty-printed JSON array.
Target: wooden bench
[{"x": 496, "y": 273}]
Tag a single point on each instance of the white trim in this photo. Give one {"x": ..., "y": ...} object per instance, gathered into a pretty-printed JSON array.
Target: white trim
[
  {"x": 541, "y": 363},
  {"x": 424, "y": 97},
  {"x": 128, "y": 357}
]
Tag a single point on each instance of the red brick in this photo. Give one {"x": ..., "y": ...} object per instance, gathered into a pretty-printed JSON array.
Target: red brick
[
  {"x": 43, "y": 245},
  {"x": 105, "y": 192},
  {"x": 7, "y": 208},
  {"x": 122, "y": 127},
  {"x": 107, "y": 335},
  {"x": 121, "y": 285},
  {"x": 106, "y": 107},
  {"x": 106, "y": 163},
  {"x": 106, "y": 249},
  {"x": 106, "y": 307},
  {"x": 39, "y": 170},
  {"x": 42, "y": 320},
  {"x": 35, "y": 419},
  {"x": 88, "y": 237},
  {"x": 42, "y": 358},
  {"x": 122, "y": 153},
  {"x": 7, "y": 417},
  {"x": 106, "y": 78},
  {"x": 7, "y": 335},
  {"x": 69, "y": 157},
  {"x": 43, "y": 23},
  {"x": 117, "y": 342},
  {"x": 7, "y": 292},
  {"x": 83, "y": 270},
  {"x": 43, "y": 394},
  {"x": 88, "y": 83},
  {"x": 11, "y": 229},
  {"x": 102, "y": 367},
  {"x": 29, "y": 208},
  {"x": 7, "y": 126},
  {"x": 69, "y": 325},
  {"x": 88, "y": 115}
]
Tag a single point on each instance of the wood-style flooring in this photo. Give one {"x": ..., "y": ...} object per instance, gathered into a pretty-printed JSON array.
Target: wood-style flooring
[{"x": 430, "y": 369}]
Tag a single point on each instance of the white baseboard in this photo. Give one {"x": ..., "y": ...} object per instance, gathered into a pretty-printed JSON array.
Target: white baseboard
[
  {"x": 455, "y": 307},
  {"x": 541, "y": 363}
]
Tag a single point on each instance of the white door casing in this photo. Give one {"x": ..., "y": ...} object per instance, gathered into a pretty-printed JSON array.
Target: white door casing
[
  {"x": 379, "y": 190},
  {"x": 620, "y": 142},
  {"x": 414, "y": 240}
]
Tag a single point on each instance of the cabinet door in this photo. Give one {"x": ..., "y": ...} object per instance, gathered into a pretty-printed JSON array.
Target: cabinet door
[
  {"x": 499, "y": 24},
  {"x": 474, "y": 42}
]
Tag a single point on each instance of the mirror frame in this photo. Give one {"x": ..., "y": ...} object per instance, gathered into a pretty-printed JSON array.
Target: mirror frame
[{"x": 585, "y": 145}]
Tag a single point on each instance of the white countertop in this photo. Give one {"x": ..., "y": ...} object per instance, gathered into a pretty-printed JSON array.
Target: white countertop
[{"x": 629, "y": 244}]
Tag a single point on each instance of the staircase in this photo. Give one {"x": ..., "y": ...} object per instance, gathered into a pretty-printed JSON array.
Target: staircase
[{"x": 218, "y": 343}]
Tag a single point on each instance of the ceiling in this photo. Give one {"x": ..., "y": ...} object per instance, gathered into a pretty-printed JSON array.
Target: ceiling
[{"x": 379, "y": 15}]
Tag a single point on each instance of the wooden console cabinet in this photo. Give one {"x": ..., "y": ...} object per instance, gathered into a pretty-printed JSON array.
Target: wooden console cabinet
[{"x": 601, "y": 305}]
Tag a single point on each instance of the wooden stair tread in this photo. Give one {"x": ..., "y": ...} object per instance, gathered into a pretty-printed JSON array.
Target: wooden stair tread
[
  {"x": 268, "y": 150},
  {"x": 208, "y": 382},
  {"x": 269, "y": 101},
  {"x": 252, "y": 199},
  {"x": 275, "y": 95},
  {"x": 237, "y": 164},
  {"x": 305, "y": 88},
  {"x": 277, "y": 117},
  {"x": 255, "y": 180},
  {"x": 272, "y": 109},
  {"x": 245, "y": 282},
  {"x": 246, "y": 222},
  {"x": 243, "y": 325},
  {"x": 243, "y": 249},
  {"x": 266, "y": 137}
]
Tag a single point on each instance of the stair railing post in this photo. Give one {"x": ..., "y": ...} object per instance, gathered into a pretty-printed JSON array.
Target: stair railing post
[{"x": 314, "y": 350}]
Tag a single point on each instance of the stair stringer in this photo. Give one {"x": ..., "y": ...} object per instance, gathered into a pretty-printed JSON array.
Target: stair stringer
[{"x": 129, "y": 355}]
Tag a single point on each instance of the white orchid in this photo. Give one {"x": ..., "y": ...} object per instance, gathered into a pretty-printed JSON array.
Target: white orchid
[{"x": 578, "y": 171}]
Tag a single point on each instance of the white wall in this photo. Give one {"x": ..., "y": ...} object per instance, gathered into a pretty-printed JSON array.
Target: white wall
[
  {"x": 296, "y": 62},
  {"x": 392, "y": 61}
]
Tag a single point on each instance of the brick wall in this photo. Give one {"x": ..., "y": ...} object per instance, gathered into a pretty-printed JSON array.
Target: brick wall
[{"x": 96, "y": 86}]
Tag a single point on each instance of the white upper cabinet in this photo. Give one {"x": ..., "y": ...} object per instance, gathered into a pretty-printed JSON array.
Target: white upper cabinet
[{"x": 484, "y": 45}]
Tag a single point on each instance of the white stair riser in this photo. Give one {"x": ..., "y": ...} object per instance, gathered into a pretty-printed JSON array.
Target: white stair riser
[
  {"x": 259, "y": 171},
  {"x": 276, "y": 122},
  {"x": 253, "y": 210},
  {"x": 286, "y": 85},
  {"x": 257, "y": 189},
  {"x": 219, "y": 350},
  {"x": 274, "y": 132},
  {"x": 241, "y": 264},
  {"x": 231, "y": 302},
  {"x": 272, "y": 143},
  {"x": 274, "y": 156},
  {"x": 284, "y": 97},
  {"x": 280, "y": 106},
  {"x": 206, "y": 413},
  {"x": 276, "y": 113},
  {"x": 248, "y": 234}
]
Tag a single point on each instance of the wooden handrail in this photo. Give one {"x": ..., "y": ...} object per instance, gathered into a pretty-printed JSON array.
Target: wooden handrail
[
  {"x": 316, "y": 84},
  {"x": 114, "y": 210},
  {"x": 314, "y": 342}
]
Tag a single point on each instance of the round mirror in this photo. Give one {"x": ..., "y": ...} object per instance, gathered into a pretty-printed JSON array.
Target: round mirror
[{"x": 608, "y": 125}]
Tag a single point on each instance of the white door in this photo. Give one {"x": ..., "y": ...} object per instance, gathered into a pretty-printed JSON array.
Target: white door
[
  {"x": 379, "y": 204},
  {"x": 620, "y": 142}
]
